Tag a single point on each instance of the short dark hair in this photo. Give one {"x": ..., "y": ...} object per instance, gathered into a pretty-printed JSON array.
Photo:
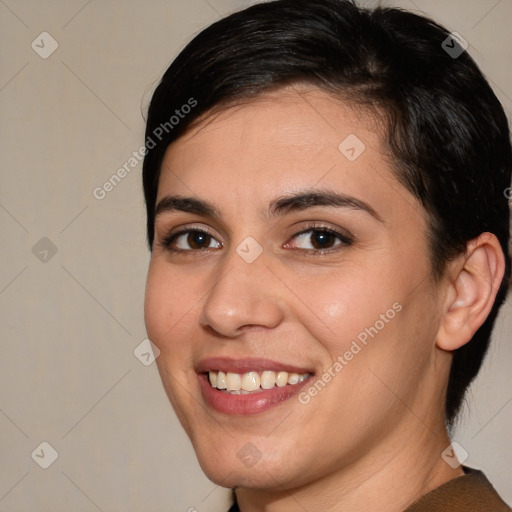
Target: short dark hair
[{"x": 446, "y": 131}]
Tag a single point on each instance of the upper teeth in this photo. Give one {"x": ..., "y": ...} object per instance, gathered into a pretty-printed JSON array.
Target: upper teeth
[{"x": 253, "y": 381}]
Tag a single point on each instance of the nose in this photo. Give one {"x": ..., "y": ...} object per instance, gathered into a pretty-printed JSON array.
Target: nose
[{"x": 243, "y": 294}]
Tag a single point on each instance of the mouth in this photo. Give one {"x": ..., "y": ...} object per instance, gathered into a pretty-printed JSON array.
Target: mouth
[
  {"x": 248, "y": 386},
  {"x": 253, "y": 381}
]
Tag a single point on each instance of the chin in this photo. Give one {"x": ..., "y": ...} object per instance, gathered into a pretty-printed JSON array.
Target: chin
[
  {"x": 249, "y": 468},
  {"x": 261, "y": 476}
]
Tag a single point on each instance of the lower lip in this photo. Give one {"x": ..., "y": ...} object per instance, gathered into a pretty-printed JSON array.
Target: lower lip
[{"x": 252, "y": 403}]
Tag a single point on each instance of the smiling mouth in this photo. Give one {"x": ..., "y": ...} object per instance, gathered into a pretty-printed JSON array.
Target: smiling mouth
[
  {"x": 249, "y": 385},
  {"x": 253, "y": 381}
]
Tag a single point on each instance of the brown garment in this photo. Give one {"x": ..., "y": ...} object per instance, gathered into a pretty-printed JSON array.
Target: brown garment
[{"x": 471, "y": 492}]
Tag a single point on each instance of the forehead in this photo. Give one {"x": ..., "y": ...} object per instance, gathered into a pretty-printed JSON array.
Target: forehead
[
  {"x": 296, "y": 115},
  {"x": 283, "y": 133},
  {"x": 294, "y": 138}
]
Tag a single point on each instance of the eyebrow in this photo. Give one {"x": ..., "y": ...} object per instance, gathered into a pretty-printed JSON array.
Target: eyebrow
[{"x": 278, "y": 207}]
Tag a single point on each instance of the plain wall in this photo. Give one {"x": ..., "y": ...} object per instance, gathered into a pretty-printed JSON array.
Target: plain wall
[{"x": 71, "y": 320}]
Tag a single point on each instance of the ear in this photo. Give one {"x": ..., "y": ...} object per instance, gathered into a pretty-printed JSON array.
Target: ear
[{"x": 474, "y": 281}]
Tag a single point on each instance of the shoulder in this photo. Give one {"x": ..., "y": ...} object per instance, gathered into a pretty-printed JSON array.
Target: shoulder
[
  {"x": 466, "y": 493},
  {"x": 463, "y": 494}
]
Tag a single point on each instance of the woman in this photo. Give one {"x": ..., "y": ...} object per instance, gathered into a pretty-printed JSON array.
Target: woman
[{"x": 329, "y": 231}]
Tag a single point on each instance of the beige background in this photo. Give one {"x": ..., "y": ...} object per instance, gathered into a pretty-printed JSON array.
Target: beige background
[{"x": 70, "y": 324}]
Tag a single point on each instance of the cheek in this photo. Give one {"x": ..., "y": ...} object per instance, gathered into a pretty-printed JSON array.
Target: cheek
[
  {"x": 155, "y": 306},
  {"x": 341, "y": 304},
  {"x": 165, "y": 304},
  {"x": 165, "y": 316}
]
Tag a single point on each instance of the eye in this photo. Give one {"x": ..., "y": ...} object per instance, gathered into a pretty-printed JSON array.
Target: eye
[
  {"x": 319, "y": 239},
  {"x": 190, "y": 240}
]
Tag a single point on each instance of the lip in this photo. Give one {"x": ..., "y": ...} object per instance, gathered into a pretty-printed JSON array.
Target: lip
[
  {"x": 227, "y": 364},
  {"x": 247, "y": 404},
  {"x": 253, "y": 403}
]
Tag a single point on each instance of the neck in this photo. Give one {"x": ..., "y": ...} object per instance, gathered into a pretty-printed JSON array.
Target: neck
[{"x": 404, "y": 468}]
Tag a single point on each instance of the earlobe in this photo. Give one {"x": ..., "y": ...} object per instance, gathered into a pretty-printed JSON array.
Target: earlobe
[{"x": 474, "y": 283}]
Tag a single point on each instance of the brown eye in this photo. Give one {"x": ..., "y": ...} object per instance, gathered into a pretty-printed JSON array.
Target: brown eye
[
  {"x": 190, "y": 240},
  {"x": 198, "y": 240},
  {"x": 320, "y": 239}
]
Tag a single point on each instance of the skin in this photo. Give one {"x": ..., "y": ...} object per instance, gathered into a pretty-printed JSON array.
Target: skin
[{"x": 372, "y": 438}]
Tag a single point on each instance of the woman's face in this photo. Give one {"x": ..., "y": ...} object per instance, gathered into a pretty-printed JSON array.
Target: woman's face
[{"x": 298, "y": 257}]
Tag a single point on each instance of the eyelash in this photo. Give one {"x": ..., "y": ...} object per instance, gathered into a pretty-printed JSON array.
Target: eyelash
[{"x": 346, "y": 241}]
